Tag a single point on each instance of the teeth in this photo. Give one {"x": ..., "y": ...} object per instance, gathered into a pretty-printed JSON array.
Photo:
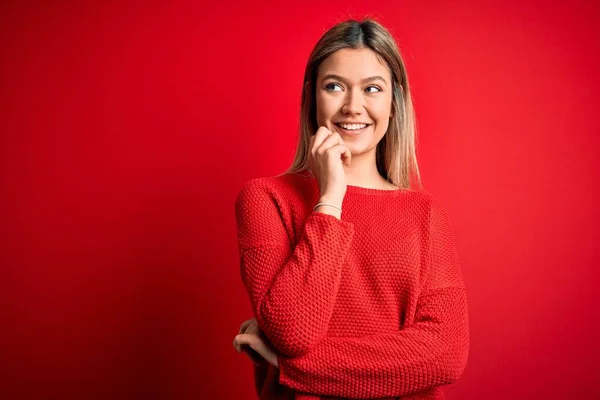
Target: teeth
[{"x": 353, "y": 127}]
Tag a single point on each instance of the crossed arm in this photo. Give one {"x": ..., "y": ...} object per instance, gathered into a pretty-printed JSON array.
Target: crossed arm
[{"x": 293, "y": 290}]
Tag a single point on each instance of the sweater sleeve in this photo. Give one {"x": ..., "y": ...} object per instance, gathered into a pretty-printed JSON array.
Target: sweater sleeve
[
  {"x": 292, "y": 287},
  {"x": 432, "y": 351}
]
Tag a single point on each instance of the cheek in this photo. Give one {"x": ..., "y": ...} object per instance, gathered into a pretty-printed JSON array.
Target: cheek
[
  {"x": 382, "y": 127},
  {"x": 326, "y": 108},
  {"x": 381, "y": 113},
  {"x": 381, "y": 110}
]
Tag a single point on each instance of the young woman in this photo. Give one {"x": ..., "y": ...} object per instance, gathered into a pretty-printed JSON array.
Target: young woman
[{"x": 351, "y": 271}]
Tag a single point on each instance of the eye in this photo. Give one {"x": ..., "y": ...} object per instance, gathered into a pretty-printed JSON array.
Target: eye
[
  {"x": 378, "y": 89},
  {"x": 330, "y": 85}
]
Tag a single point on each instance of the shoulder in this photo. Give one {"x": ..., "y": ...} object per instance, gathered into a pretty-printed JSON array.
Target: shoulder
[
  {"x": 438, "y": 219},
  {"x": 426, "y": 204},
  {"x": 254, "y": 185},
  {"x": 419, "y": 199},
  {"x": 274, "y": 189},
  {"x": 254, "y": 191}
]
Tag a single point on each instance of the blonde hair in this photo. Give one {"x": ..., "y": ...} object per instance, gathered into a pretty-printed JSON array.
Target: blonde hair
[{"x": 396, "y": 152}]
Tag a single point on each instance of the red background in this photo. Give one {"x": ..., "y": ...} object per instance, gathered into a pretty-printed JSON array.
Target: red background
[{"x": 128, "y": 128}]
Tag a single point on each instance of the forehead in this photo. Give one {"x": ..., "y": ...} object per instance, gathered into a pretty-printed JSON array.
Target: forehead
[{"x": 354, "y": 64}]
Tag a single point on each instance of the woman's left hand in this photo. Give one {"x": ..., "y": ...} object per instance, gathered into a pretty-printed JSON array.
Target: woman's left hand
[{"x": 256, "y": 343}]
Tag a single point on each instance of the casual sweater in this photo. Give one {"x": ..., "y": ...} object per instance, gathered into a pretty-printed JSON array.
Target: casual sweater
[{"x": 372, "y": 305}]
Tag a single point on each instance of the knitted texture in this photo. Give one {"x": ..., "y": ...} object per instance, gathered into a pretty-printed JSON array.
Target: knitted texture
[{"x": 372, "y": 305}]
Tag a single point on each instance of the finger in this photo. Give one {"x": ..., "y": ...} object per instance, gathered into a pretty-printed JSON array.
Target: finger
[
  {"x": 336, "y": 144},
  {"x": 253, "y": 328},
  {"x": 264, "y": 351},
  {"x": 330, "y": 141},
  {"x": 252, "y": 340},
  {"x": 243, "y": 338},
  {"x": 236, "y": 346},
  {"x": 343, "y": 152},
  {"x": 245, "y": 325},
  {"x": 321, "y": 134},
  {"x": 257, "y": 344}
]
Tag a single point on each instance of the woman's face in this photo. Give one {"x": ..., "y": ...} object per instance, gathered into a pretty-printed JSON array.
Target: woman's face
[{"x": 354, "y": 87}]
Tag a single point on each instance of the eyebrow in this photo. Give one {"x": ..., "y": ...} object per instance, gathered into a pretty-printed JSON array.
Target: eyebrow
[{"x": 369, "y": 79}]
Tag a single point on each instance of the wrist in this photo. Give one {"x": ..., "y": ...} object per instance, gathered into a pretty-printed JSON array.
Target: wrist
[
  {"x": 326, "y": 207},
  {"x": 335, "y": 200}
]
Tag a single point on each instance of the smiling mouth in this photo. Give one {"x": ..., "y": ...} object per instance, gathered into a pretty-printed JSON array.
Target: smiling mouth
[{"x": 353, "y": 129}]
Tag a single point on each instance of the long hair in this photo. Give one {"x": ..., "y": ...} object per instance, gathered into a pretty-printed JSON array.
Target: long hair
[{"x": 396, "y": 152}]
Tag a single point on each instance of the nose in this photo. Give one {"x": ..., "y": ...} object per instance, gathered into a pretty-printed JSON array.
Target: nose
[{"x": 354, "y": 102}]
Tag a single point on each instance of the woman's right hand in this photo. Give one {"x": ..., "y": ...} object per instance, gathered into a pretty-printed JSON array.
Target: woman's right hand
[{"x": 328, "y": 154}]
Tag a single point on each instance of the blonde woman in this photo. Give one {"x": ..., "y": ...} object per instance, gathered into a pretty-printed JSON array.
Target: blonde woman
[{"x": 351, "y": 270}]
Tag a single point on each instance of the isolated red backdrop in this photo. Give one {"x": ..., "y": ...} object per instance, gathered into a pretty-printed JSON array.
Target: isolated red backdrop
[{"x": 128, "y": 128}]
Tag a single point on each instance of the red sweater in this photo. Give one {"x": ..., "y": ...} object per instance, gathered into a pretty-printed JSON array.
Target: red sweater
[{"x": 372, "y": 305}]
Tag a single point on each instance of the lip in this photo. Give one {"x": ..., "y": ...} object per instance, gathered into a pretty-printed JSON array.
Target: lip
[{"x": 351, "y": 132}]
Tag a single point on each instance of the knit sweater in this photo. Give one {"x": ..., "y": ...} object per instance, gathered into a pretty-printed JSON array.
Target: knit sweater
[{"x": 372, "y": 305}]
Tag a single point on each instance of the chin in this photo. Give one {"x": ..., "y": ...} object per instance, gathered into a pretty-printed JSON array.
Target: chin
[{"x": 357, "y": 149}]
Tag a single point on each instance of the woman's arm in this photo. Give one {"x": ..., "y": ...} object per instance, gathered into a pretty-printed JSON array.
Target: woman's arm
[
  {"x": 432, "y": 351},
  {"x": 292, "y": 289}
]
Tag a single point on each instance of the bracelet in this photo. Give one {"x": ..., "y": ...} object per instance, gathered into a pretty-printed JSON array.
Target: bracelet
[{"x": 326, "y": 204}]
